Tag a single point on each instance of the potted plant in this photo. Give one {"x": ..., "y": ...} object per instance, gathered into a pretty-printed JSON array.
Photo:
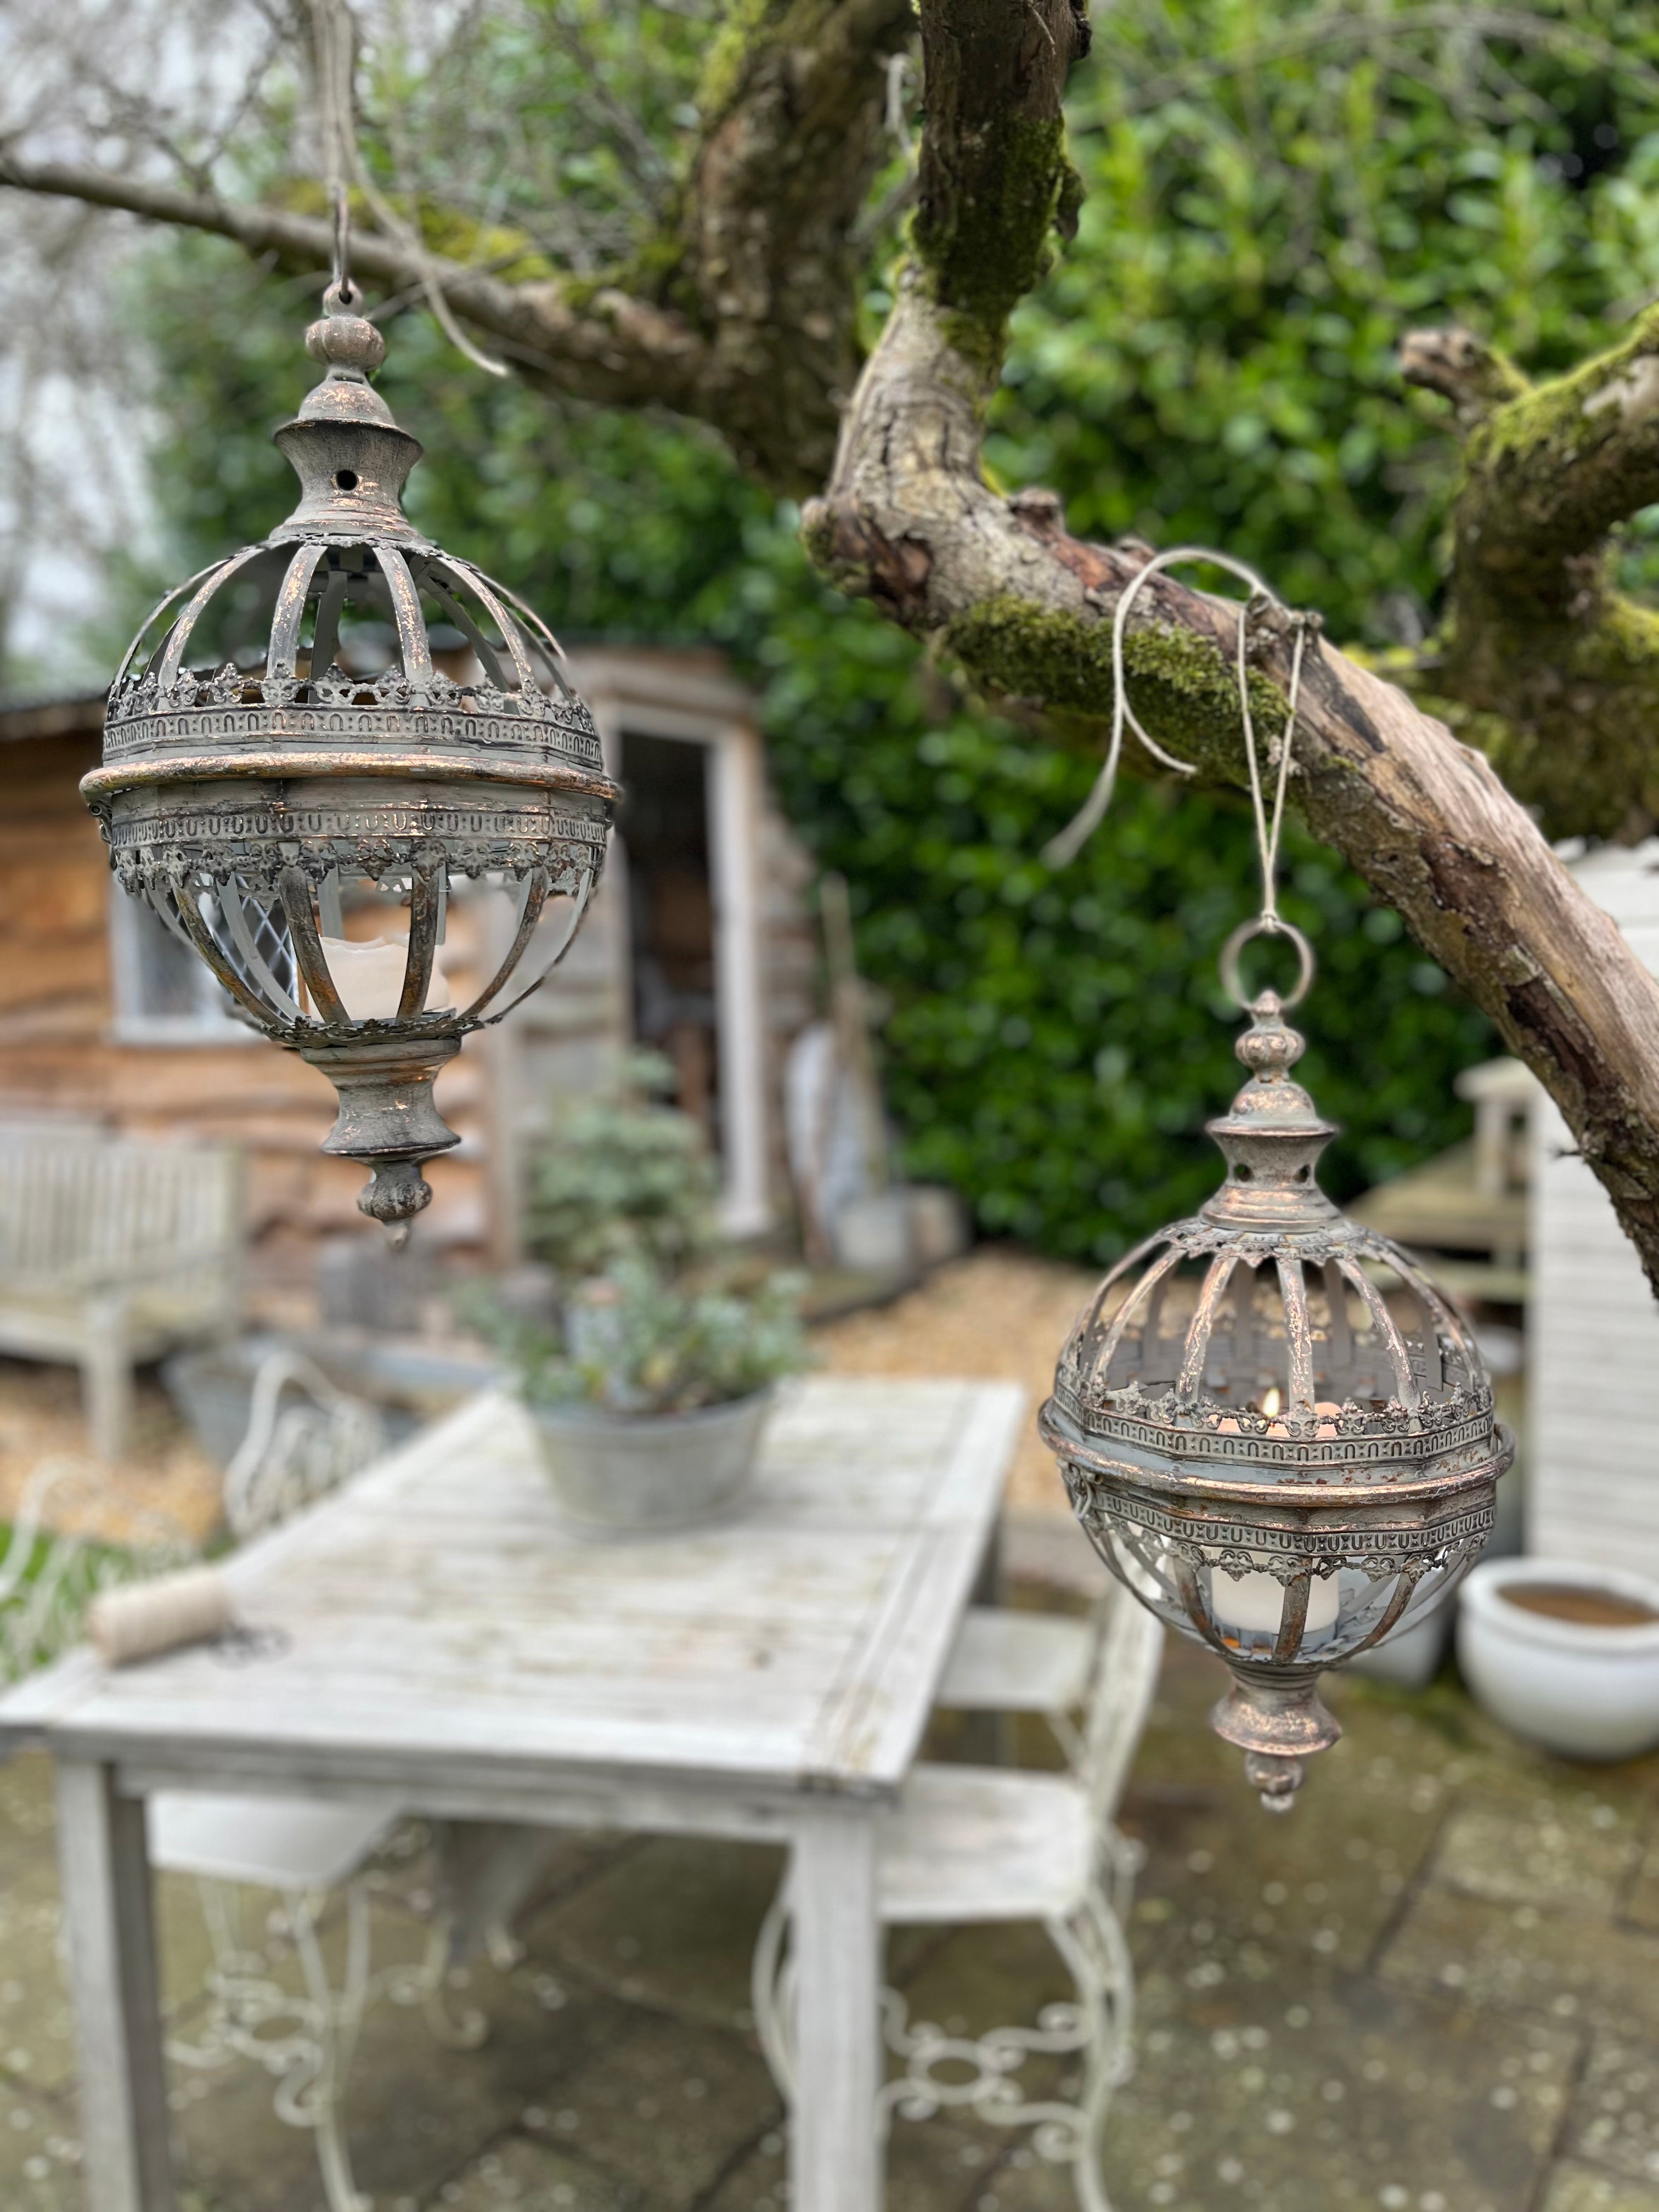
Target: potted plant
[{"x": 650, "y": 1405}]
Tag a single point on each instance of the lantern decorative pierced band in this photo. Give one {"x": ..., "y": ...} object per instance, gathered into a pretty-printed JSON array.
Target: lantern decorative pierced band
[
  {"x": 1275, "y": 1429},
  {"x": 256, "y": 791}
]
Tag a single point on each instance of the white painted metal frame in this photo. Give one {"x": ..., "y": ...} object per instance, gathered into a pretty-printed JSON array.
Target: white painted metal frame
[
  {"x": 452, "y": 1646},
  {"x": 966, "y": 1844},
  {"x": 714, "y": 713}
]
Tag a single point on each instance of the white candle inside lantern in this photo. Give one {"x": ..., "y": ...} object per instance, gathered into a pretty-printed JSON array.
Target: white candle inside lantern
[
  {"x": 1255, "y": 1600},
  {"x": 368, "y": 975}
]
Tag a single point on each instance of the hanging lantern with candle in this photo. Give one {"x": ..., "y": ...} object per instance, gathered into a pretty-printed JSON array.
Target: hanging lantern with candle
[
  {"x": 258, "y": 782},
  {"x": 1273, "y": 1426}
]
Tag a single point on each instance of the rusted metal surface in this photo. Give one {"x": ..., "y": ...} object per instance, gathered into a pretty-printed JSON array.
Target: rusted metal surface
[
  {"x": 251, "y": 781},
  {"x": 1310, "y": 1460}
]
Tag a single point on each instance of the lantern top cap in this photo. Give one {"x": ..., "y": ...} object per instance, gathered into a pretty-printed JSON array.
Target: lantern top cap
[
  {"x": 1272, "y": 1134},
  {"x": 350, "y": 456}
]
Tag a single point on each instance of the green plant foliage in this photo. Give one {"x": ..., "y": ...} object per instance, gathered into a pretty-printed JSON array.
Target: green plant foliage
[
  {"x": 644, "y": 1343},
  {"x": 1274, "y": 195},
  {"x": 623, "y": 1177}
]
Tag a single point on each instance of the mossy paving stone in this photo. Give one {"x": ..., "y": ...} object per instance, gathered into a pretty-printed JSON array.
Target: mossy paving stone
[
  {"x": 519, "y": 2174},
  {"x": 1574, "y": 2188},
  {"x": 944, "y": 2164},
  {"x": 28, "y": 1811},
  {"x": 1326, "y": 2101},
  {"x": 1567, "y": 1966},
  {"x": 671, "y": 1924},
  {"x": 413, "y": 2108},
  {"x": 1614, "y": 2120},
  {"x": 39, "y": 2153},
  {"x": 37, "y": 2028},
  {"x": 1228, "y": 1887},
  {"x": 1573, "y": 1849},
  {"x": 1641, "y": 1905},
  {"x": 668, "y": 2108}
]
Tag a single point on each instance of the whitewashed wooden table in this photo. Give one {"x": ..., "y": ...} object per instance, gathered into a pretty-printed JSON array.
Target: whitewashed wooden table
[{"x": 452, "y": 1646}]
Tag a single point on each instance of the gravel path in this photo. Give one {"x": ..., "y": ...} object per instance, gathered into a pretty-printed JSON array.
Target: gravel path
[{"x": 999, "y": 1314}]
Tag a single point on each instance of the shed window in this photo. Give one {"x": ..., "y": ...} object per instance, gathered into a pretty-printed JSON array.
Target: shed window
[{"x": 164, "y": 994}]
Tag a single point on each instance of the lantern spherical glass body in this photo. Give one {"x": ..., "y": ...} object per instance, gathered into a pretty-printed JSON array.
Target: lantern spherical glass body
[
  {"x": 1274, "y": 1427},
  {"x": 288, "y": 761}
]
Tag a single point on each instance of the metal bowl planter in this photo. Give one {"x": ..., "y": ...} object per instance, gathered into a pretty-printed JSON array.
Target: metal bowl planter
[
  {"x": 635, "y": 1472},
  {"x": 253, "y": 788},
  {"x": 1274, "y": 1428}
]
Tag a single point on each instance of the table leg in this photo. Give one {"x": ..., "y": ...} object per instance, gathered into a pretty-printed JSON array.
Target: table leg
[
  {"x": 834, "y": 2158},
  {"x": 108, "y": 1912}
]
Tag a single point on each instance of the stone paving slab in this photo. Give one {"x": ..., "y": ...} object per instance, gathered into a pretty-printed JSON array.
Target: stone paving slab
[
  {"x": 36, "y": 2027},
  {"x": 1568, "y": 1966},
  {"x": 1642, "y": 1906},
  {"x": 1328, "y": 2102},
  {"x": 519, "y": 2174},
  {"x": 39, "y": 2153},
  {"x": 1615, "y": 2114},
  {"x": 416, "y": 2111},
  {"x": 1579, "y": 1853},
  {"x": 672, "y": 1924},
  {"x": 669, "y": 2107},
  {"x": 1574, "y": 2188}
]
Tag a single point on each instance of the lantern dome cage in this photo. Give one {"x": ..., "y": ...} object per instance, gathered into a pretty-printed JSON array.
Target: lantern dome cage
[
  {"x": 286, "y": 755},
  {"x": 1274, "y": 1427}
]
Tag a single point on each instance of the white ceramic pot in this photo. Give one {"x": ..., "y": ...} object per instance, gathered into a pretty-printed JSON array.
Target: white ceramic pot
[
  {"x": 1587, "y": 1691},
  {"x": 643, "y": 1471}
]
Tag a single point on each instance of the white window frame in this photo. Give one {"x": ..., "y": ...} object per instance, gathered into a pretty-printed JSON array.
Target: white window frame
[
  {"x": 668, "y": 701},
  {"x": 209, "y": 1021}
]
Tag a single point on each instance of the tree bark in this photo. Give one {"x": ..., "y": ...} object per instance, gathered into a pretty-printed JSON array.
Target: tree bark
[
  {"x": 1554, "y": 669},
  {"x": 908, "y": 521}
]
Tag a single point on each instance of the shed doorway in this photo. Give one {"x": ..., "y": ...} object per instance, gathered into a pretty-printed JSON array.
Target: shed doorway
[{"x": 663, "y": 827}]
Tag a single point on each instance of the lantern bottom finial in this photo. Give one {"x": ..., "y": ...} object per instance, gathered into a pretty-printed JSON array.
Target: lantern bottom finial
[
  {"x": 1278, "y": 1722},
  {"x": 388, "y": 1120}
]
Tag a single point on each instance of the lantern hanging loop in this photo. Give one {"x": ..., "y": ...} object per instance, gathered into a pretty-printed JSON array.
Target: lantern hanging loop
[
  {"x": 1060, "y": 851},
  {"x": 344, "y": 165}
]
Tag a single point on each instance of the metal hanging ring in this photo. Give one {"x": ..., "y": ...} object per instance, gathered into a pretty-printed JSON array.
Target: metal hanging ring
[{"x": 1233, "y": 983}]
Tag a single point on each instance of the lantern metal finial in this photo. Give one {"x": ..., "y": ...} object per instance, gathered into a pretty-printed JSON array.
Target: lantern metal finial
[
  {"x": 1273, "y": 1426},
  {"x": 289, "y": 766}
]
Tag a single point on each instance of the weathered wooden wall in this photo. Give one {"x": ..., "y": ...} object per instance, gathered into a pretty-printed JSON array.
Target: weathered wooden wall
[{"x": 58, "y": 1054}]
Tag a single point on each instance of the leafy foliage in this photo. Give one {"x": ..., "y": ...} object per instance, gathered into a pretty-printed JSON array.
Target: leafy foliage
[
  {"x": 651, "y": 1345},
  {"x": 623, "y": 1177},
  {"x": 1274, "y": 195}
]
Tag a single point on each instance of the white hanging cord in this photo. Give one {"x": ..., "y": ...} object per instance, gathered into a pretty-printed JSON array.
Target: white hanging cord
[
  {"x": 342, "y": 163},
  {"x": 1065, "y": 848}
]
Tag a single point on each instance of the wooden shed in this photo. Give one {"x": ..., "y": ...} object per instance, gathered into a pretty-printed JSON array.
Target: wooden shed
[
  {"x": 699, "y": 943},
  {"x": 1593, "y": 1348}
]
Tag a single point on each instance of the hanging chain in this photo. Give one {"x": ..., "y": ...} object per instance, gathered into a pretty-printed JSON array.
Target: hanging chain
[{"x": 342, "y": 166}]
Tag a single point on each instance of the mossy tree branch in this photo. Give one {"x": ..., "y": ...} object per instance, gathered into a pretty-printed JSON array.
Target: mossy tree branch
[
  {"x": 740, "y": 313},
  {"x": 1561, "y": 668},
  {"x": 908, "y": 521}
]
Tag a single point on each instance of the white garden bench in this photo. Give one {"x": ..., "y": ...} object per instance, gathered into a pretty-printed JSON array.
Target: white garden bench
[{"x": 113, "y": 1253}]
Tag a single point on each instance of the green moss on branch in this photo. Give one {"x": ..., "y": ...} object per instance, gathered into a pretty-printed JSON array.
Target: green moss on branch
[{"x": 1184, "y": 689}]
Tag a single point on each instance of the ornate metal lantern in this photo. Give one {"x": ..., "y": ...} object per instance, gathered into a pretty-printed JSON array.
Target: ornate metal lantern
[
  {"x": 255, "y": 791},
  {"x": 1275, "y": 1429}
]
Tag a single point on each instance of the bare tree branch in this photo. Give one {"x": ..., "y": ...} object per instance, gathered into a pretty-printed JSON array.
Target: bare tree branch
[{"x": 740, "y": 312}]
